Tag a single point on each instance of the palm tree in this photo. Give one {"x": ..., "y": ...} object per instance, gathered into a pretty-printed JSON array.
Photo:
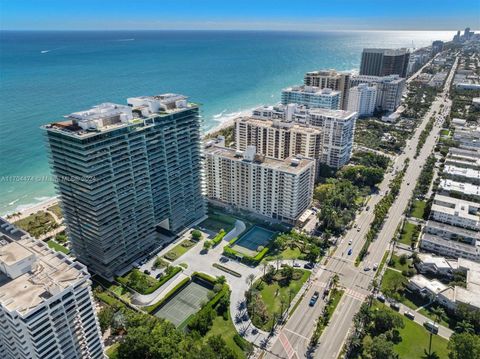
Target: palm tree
[
  {"x": 438, "y": 313},
  {"x": 432, "y": 355},
  {"x": 264, "y": 267},
  {"x": 278, "y": 259},
  {"x": 250, "y": 278},
  {"x": 464, "y": 327}
]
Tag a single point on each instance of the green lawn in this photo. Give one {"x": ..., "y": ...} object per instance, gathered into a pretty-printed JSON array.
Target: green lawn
[
  {"x": 415, "y": 339},
  {"x": 112, "y": 351},
  {"x": 418, "y": 209},
  {"x": 272, "y": 293},
  {"x": 227, "y": 331},
  {"x": 445, "y": 132},
  {"x": 408, "y": 231},
  {"x": 57, "y": 247},
  {"x": 393, "y": 281},
  {"x": 179, "y": 250},
  {"x": 287, "y": 253},
  {"x": 397, "y": 265},
  {"x": 336, "y": 296}
]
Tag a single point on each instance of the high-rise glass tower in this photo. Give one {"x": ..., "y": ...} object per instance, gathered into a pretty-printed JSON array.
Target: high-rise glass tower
[{"x": 123, "y": 171}]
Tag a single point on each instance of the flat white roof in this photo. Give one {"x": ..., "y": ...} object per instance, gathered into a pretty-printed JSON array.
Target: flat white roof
[
  {"x": 462, "y": 187},
  {"x": 462, "y": 172}
]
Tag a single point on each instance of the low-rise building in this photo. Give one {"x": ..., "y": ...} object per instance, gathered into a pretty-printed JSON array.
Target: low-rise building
[
  {"x": 451, "y": 241},
  {"x": 456, "y": 212},
  {"x": 438, "y": 79},
  {"x": 465, "y": 158},
  {"x": 467, "y": 137},
  {"x": 434, "y": 265},
  {"x": 461, "y": 190},
  {"x": 274, "y": 188},
  {"x": 462, "y": 174},
  {"x": 46, "y": 305},
  {"x": 312, "y": 97},
  {"x": 451, "y": 296}
]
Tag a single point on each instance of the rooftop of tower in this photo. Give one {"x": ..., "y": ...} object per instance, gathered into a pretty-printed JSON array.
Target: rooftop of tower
[
  {"x": 108, "y": 116},
  {"x": 30, "y": 272}
]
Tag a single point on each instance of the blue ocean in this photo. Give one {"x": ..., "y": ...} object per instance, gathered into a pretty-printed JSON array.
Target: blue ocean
[{"x": 46, "y": 75}]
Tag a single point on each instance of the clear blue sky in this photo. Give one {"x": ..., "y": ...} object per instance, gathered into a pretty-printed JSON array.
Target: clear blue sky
[{"x": 240, "y": 14}]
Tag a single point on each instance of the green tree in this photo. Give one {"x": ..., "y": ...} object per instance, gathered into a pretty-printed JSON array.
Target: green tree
[
  {"x": 381, "y": 348},
  {"x": 196, "y": 235},
  {"x": 464, "y": 346}
]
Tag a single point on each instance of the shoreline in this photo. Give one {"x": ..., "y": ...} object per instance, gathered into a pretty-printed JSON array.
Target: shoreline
[{"x": 31, "y": 209}]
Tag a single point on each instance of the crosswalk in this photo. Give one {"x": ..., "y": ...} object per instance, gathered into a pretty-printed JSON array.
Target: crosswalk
[{"x": 354, "y": 294}]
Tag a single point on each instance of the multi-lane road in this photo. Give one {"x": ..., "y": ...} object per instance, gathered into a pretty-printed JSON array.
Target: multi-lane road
[{"x": 293, "y": 339}]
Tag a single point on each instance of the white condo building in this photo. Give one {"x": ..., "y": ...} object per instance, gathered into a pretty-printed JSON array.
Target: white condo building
[
  {"x": 362, "y": 99},
  {"x": 279, "y": 189},
  {"x": 312, "y": 97},
  {"x": 389, "y": 89},
  {"x": 46, "y": 305},
  {"x": 456, "y": 212},
  {"x": 283, "y": 131}
]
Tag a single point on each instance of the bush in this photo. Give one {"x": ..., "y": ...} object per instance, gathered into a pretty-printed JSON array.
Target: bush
[
  {"x": 242, "y": 343},
  {"x": 227, "y": 270},
  {"x": 218, "y": 238},
  {"x": 202, "y": 321},
  {"x": 171, "y": 256},
  {"x": 196, "y": 235}
]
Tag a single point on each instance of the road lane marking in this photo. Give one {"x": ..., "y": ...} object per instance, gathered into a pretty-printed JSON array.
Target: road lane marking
[{"x": 297, "y": 334}]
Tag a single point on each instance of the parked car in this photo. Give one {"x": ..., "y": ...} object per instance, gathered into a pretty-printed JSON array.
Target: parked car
[
  {"x": 314, "y": 298},
  {"x": 395, "y": 306},
  {"x": 432, "y": 327},
  {"x": 309, "y": 265},
  {"x": 147, "y": 272},
  {"x": 296, "y": 265},
  {"x": 159, "y": 275},
  {"x": 381, "y": 298},
  {"x": 375, "y": 266},
  {"x": 409, "y": 315},
  {"x": 224, "y": 259}
]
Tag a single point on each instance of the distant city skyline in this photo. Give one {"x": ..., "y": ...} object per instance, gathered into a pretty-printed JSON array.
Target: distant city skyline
[{"x": 248, "y": 15}]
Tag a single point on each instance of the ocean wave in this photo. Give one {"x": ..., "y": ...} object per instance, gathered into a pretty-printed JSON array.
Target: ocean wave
[
  {"x": 218, "y": 115},
  {"x": 45, "y": 51},
  {"x": 125, "y": 40}
]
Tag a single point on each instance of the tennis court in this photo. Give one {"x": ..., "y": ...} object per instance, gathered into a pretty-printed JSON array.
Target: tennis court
[
  {"x": 250, "y": 241},
  {"x": 186, "y": 302}
]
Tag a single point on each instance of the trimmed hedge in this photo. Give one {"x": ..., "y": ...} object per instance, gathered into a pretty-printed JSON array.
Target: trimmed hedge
[
  {"x": 227, "y": 270},
  {"x": 230, "y": 252},
  {"x": 218, "y": 238},
  {"x": 151, "y": 308},
  {"x": 205, "y": 277},
  {"x": 165, "y": 279},
  {"x": 225, "y": 291},
  {"x": 242, "y": 343}
]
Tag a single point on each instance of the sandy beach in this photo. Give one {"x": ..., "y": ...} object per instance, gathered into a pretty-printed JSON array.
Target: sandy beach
[{"x": 42, "y": 206}]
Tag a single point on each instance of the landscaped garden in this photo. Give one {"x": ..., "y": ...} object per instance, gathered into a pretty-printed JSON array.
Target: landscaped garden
[
  {"x": 409, "y": 234},
  {"x": 380, "y": 332},
  {"x": 37, "y": 224},
  {"x": 296, "y": 245},
  {"x": 271, "y": 295},
  {"x": 144, "y": 283},
  {"x": 57, "y": 210},
  {"x": 179, "y": 250}
]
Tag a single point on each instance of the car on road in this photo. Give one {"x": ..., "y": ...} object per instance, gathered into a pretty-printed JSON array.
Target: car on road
[
  {"x": 350, "y": 241},
  {"x": 355, "y": 225},
  {"x": 368, "y": 208},
  {"x": 409, "y": 315},
  {"x": 408, "y": 183},
  {"x": 296, "y": 265},
  {"x": 432, "y": 327},
  {"x": 381, "y": 298},
  {"x": 308, "y": 265},
  {"x": 366, "y": 269},
  {"x": 224, "y": 259},
  {"x": 358, "y": 229},
  {"x": 159, "y": 275},
  {"x": 375, "y": 266},
  {"x": 314, "y": 298},
  {"x": 395, "y": 306},
  {"x": 350, "y": 251}
]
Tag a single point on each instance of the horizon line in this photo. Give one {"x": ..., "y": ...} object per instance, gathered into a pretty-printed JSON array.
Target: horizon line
[{"x": 249, "y": 30}]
